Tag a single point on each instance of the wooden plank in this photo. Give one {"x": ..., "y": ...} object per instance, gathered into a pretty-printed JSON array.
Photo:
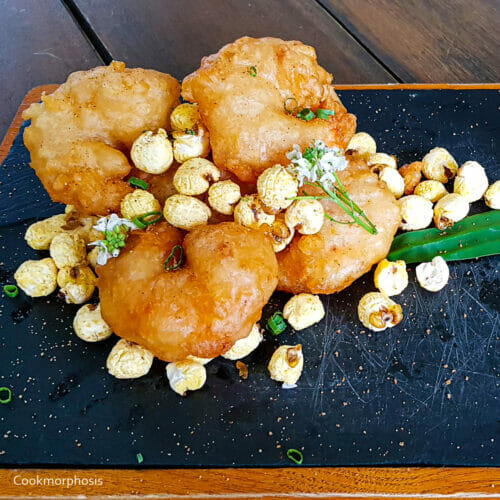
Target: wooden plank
[
  {"x": 425, "y": 40},
  {"x": 39, "y": 43},
  {"x": 173, "y": 35},
  {"x": 299, "y": 482}
]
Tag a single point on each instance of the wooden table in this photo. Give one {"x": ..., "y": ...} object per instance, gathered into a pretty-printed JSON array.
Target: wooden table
[{"x": 359, "y": 41}]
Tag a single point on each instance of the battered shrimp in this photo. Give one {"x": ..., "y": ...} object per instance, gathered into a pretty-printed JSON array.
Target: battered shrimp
[
  {"x": 329, "y": 261},
  {"x": 81, "y": 134},
  {"x": 242, "y": 92},
  {"x": 201, "y": 309}
]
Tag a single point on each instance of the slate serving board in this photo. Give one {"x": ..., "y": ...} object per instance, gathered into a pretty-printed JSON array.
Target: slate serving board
[{"x": 425, "y": 392}]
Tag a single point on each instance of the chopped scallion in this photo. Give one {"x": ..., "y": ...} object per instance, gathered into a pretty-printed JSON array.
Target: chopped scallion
[
  {"x": 190, "y": 131},
  {"x": 11, "y": 291},
  {"x": 324, "y": 114},
  {"x": 134, "y": 181},
  {"x": 306, "y": 114},
  {"x": 143, "y": 221},
  {"x": 276, "y": 324},
  {"x": 140, "y": 458},
  {"x": 253, "y": 71},
  {"x": 5, "y": 399},
  {"x": 174, "y": 261},
  {"x": 295, "y": 456},
  {"x": 291, "y": 105}
]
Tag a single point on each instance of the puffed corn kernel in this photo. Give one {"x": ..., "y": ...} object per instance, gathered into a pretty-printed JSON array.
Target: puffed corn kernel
[
  {"x": 303, "y": 310},
  {"x": 431, "y": 190},
  {"x": 92, "y": 257},
  {"x": 40, "y": 234},
  {"x": 189, "y": 145},
  {"x": 439, "y": 165},
  {"x": 139, "y": 202},
  {"x": 185, "y": 212},
  {"x": 275, "y": 187},
  {"x": 286, "y": 365},
  {"x": 391, "y": 278},
  {"x": 471, "y": 181},
  {"x": 395, "y": 183},
  {"x": 306, "y": 215},
  {"x": 185, "y": 376},
  {"x": 77, "y": 284},
  {"x": 492, "y": 196},
  {"x": 202, "y": 361},
  {"x": 129, "y": 360},
  {"x": 89, "y": 325},
  {"x": 280, "y": 233},
  {"x": 412, "y": 175},
  {"x": 377, "y": 311},
  {"x": 416, "y": 212},
  {"x": 243, "y": 347},
  {"x": 223, "y": 196},
  {"x": 194, "y": 176},
  {"x": 152, "y": 153},
  {"x": 250, "y": 212},
  {"x": 450, "y": 209},
  {"x": 378, "y": 161},
  {"x": 185, "y": 117},
  {"x": 37, "y": 278},
  {"x": 362, "y": 143},
  {"x": 433, "y": 275},
  {"x": 68, "y": 250}
]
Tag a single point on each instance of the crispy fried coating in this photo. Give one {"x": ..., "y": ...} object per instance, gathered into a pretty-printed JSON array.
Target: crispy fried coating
[
  {"x": 80, "y": 135},
  {"x": 241, "y": 92},
  {"x": 332, "y": 259},
  {"x": 201, "y": 309}
]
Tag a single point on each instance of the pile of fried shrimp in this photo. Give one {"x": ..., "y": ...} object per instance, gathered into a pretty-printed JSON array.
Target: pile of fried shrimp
[{"x": 188, "y": 216}]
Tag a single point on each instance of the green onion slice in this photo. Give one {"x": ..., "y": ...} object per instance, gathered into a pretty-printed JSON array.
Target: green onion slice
[
  {"x": 134, "y": 181},
  {"x": 143, "y": 221},
  {"x": 253, "y": 71},
  {"x": 175, "y": 259},
  {"x": 140, "y": 458},
  {"x": 276, "y": 324},
  {"x": 5, "y": 399},
  {"x": 306, "y": 114},
  {"x": 11, "y": 291},
  {"x": 295, "y": 456},
  {"x": 291, "y": 105},
  {"x": 324, "y": 114},
  {"x": 190, "y": 131}
]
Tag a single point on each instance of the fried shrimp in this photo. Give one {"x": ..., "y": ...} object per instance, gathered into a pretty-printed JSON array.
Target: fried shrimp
[
  {"x": 330, "y": 260},
  {"x": 80, "y": 135},
  {"x": 201, "y": 309},
  {"x": 248, "y": 94}
]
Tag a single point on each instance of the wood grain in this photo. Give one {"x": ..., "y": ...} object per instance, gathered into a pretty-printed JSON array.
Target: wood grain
[
  {"x": 427, "y": 40},
  {"x": 259, "y": 483},
  {"x": 173, "y": 35},
  {"x": 39, "y": 43}
]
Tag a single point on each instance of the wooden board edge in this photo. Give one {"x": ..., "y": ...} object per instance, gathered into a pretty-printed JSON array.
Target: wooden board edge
[
  {"x": 303, "y": 482},
  {"x": 34, "y": 95}
]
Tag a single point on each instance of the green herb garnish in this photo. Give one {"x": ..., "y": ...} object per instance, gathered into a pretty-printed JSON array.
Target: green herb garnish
[
  {"x": 140, "y": 458},
  {"x": 174, "y": 261},
  {"x": 295, "y": 456},
  {"x": 253, "y": 71},
  {"x": 11, "y": 291},
  {"x": 143, "y": 221},
  {"x": 324, "y": 114},
  {"x": 134, "y": 181},
  {"x": 190, "y": 131},
  {"x": 306, "y": 114},
  {"x": 5, "y": 399},
  {"x": 291, "y": 105},
  {"x": 276, "y": 324}
]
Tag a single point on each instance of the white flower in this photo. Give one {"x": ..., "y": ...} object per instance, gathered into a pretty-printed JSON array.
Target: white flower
[
  {"x": 319, "y": 164},
  {"x": 107, "y": 247}
]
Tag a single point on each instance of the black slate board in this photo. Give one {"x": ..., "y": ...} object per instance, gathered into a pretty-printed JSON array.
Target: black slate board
[{"x": 364, "y": 398}]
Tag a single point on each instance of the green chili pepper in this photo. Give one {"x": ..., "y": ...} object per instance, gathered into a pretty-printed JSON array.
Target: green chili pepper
[{"x": 474, "y": 236}]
